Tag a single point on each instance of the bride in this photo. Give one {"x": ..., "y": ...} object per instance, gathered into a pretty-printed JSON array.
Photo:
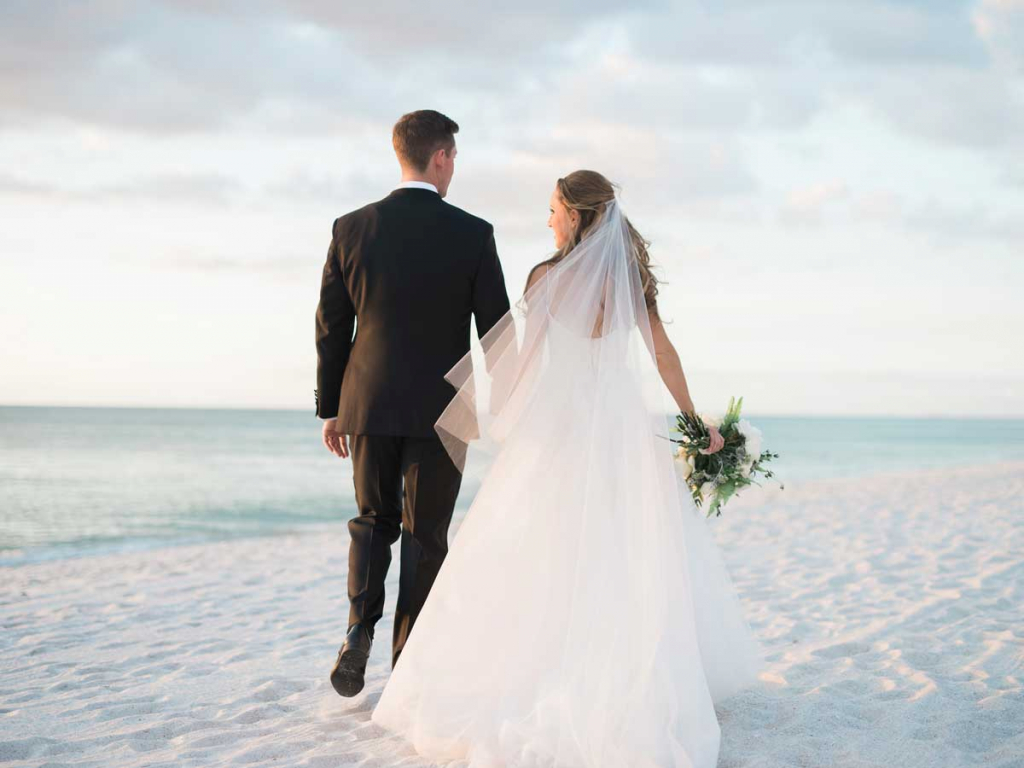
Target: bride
[{"x": 583, "y": 616}]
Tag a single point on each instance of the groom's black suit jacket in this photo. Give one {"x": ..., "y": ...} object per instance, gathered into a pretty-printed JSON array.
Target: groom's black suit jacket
[{"x": 406, "y": 272}]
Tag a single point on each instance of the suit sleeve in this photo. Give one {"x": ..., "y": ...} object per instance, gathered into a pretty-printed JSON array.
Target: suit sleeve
[
  {"x": 490, "y": 299},
  {"x": 335, "y": 320}
]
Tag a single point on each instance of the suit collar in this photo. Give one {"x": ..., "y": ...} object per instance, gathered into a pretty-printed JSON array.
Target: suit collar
[
  {"x": 417, "y": 184},
  {"x": 414, "y": 193}
]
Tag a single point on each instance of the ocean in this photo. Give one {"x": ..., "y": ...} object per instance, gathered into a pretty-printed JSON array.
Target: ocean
[{"x": 81, "y": 481}]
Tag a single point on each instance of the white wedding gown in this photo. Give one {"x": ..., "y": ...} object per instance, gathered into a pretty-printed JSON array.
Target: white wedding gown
[{"x": 583, "y": 616}]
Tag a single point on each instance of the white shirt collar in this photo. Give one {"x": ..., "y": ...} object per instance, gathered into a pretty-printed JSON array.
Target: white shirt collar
[{"x": 417, "y": 185}]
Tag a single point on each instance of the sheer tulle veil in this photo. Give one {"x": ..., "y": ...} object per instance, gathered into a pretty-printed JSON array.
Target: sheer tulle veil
[{"x": 595, "y": 293}]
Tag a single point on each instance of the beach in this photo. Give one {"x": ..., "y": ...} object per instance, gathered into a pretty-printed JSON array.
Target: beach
[
  {"x": 237, "y": 233},
  {"x": 890, "y": 609}
]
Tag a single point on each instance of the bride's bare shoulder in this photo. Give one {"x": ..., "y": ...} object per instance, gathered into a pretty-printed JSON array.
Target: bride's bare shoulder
[{"x": 537, "y": 273}]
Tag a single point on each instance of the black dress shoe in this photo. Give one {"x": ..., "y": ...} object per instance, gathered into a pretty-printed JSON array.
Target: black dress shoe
[{"x": 350, "y": 668}]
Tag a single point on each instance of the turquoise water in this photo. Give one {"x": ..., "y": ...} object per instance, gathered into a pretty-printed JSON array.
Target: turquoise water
[{"x": 77, "y": 481}]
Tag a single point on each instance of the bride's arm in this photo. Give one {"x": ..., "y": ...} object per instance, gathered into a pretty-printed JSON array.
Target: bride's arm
[
  {"x": 671, "y": 370},
  {"x": 669, "y": 365}
]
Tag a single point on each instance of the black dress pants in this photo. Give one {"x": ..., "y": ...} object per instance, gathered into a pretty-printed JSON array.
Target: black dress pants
[{"x": 405, "y": 487}]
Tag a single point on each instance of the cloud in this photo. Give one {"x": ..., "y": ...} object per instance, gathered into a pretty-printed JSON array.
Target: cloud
[
  {"x": 461, "y": 30},
  {"x": 784, "y": 34},
  {"x": 880, "y": 34},
  {"x": 184, "y": 67},
  {"x": 633, "y": 89},
  {"x": 292, "y": 267},
  {"x": 881, "y": 206},
  {"x": 300, "y": 186},
  {"x": 939, "y": 220},
  {"x": 313, "y": 66},
  {"x": 660, "y": 96},
  {"x": 807, "y": 205},
  {"x": 1013, "y": 174},
  {"x": 944, "y": 223},
  {"x": 165, "y": 69},
  {"x": 177, "y": 188},
  {"x": 1000, "y": 25},
  {"x": 949, "y": 105},
  {"x": 14, "y": 186},
  {"x": 924, "y": 67}
]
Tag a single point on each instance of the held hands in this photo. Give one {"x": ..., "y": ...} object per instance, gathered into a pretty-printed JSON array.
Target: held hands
[
  {"x": 717, "y": 441},
  {"x": 335, "y": 442}
]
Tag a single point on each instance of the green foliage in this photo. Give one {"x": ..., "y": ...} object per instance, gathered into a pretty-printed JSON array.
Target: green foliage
[{"x": 732, "y": 415}]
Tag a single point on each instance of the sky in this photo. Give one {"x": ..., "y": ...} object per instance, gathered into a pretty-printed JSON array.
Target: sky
[{"x": 834, "y": 191}]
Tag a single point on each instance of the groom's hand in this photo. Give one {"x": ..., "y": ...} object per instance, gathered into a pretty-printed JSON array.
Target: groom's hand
[{"x": 336, "y": 442}]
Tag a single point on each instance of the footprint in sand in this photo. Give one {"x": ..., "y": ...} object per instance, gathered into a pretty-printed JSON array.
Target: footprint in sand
[
  {"x": 25, "y": 749},
  {"x": 842, "y": 649},
  {"x": 274, "y": 690},
  {"x": 214, "y": 740},
  {"x": 262, "y": 712}
]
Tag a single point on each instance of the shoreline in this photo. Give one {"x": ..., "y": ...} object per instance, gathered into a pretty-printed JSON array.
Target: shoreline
[{"x": 60, "y": 552}]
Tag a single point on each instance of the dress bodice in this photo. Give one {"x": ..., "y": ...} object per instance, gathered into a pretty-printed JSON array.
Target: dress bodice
[{"x": 571, "y": 349}]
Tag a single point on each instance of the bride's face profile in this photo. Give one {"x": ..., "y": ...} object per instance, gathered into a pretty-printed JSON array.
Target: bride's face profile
[{"x": 561, "y": 220}]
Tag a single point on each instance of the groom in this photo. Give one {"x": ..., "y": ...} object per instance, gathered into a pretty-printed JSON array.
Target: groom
[{"x": 408, "y": 270}]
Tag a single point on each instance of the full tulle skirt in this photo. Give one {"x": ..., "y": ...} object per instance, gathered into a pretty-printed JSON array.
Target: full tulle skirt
[{"x": 584, "y": 616}]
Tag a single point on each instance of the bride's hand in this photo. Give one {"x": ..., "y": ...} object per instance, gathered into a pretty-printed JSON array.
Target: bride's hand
[{"x": 717, "y": 441}]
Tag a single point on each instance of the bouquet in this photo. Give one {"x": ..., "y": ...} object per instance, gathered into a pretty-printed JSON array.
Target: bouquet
[{"x": 716, "y": 477}]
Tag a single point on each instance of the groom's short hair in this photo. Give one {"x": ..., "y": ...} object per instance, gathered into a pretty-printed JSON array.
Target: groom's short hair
[{"x": 418, "y": 135}]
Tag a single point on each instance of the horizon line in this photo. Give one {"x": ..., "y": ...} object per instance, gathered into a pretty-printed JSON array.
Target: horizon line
[{"x": 311, "y": 411}]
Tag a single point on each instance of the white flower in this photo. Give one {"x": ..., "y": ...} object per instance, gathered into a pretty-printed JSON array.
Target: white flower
[
  {"x": 685, "y": 462},
  {"x": 752, "y": 438},
  {"x": 711, "y": 421},
  {"x": 707, "y": 489},
  {"x": 746, "y": 466}
]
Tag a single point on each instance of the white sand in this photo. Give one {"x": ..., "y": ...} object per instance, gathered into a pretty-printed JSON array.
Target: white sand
[{"x": 892, "y": 610}]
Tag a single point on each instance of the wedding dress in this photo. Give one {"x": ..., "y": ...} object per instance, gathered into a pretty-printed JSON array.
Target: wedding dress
[{"x": 583, "y": 616}]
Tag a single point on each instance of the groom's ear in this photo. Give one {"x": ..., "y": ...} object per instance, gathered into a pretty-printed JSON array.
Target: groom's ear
[{"x": 441, "y": 156}]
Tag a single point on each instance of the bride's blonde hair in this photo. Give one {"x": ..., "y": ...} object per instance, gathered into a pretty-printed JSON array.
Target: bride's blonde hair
[{"x": 587, "y": 192}]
